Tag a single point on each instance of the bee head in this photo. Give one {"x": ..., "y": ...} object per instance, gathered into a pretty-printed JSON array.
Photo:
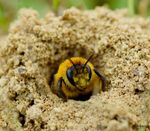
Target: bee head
[{"x": 79, "y": 75}]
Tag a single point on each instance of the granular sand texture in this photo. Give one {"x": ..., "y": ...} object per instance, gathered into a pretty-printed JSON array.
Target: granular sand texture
[{"x": 35, "y": 47}]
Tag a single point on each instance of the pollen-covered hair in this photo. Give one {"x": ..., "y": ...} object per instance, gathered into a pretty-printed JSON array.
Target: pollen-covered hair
[
  {"x": 76, "y": 77},
  {"x": 71, "y": 63}
]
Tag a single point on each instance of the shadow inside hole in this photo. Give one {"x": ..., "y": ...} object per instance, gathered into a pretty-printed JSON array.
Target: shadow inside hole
[
  {"x": 138, "y": 91},
  {"x": 22, "y": 119},
  {"x": 42, "y": 125},
  {"x": 31, "y": 103},
  {"x": 83, "y": 97},
  {"x": 21, "y": 63},
  {"x": 22, "y": 53},
  {"x": 32, "y": 122}
]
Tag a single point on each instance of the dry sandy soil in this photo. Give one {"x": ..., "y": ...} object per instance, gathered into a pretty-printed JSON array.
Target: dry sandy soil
[{"x": 36, "y": 46}]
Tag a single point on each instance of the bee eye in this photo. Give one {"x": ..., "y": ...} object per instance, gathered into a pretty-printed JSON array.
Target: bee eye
[
  {"x": 89, "y": 72},
  {"x": 70, "y": 75}
]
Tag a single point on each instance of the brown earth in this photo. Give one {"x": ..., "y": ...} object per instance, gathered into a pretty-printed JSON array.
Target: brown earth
[{"x": 36, "y": 46}]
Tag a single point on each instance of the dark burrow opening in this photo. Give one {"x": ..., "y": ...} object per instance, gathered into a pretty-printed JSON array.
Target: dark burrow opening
[{"x": 84, "y": 97}]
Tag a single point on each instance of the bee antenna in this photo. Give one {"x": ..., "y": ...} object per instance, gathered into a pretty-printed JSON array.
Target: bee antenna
[
  {"x": 73, "y": 65},
  {"x": 87, "y": 61}
]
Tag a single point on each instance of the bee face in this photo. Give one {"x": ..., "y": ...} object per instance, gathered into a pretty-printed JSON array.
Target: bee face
[
  {"x": 77, "y": 78},
  {"x": 79, "y": 75}
]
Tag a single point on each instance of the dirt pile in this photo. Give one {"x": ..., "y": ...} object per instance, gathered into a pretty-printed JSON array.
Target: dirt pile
[{"x": 35, "y": 47}]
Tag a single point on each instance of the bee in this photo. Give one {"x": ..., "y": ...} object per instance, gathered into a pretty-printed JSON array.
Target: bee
[{"x": 77, "y": 79}]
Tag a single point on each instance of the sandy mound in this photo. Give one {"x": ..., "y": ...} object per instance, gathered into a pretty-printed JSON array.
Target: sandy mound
[{"x": 35, "y": 47}]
